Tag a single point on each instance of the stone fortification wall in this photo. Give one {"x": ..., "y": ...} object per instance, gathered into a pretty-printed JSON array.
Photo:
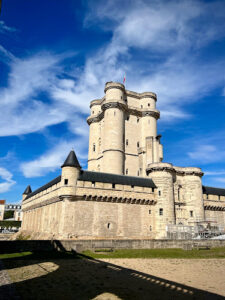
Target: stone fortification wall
[{"x": 81, "y": 245}]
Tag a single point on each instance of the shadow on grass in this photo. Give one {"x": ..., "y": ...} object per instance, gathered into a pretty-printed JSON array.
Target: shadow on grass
[{"x": 78, "y": 276}]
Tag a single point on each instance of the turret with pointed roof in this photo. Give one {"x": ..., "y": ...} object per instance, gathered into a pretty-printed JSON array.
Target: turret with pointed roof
[
  {"x": 27, "y": 191},
  {"x": 71, "y": 161}
]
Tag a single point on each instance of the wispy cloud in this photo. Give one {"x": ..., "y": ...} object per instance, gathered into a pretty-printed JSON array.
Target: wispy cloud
[
  {"x": 6, "y": 177},
  {"x": 4, "y": 28}
]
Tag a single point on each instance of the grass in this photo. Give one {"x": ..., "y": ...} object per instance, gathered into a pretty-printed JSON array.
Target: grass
[
  {"x": 158, "y": 253},
  {"x": 122, "y": 253}
]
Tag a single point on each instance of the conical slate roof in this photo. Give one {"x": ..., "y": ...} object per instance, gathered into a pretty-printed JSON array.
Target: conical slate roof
[
  {"x": 27, "y": 190},
  {"x": 71, "y": 161}
]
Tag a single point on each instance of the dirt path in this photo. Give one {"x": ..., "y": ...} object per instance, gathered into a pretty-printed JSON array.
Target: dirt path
[{"x": 204, "y": 274}]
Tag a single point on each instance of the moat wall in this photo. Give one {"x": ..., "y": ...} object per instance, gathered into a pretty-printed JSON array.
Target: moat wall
[{"x": 81, "y": 245}]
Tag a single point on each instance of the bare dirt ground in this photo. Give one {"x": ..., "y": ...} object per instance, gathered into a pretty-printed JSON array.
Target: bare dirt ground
[{"x": 111, "y": 279}]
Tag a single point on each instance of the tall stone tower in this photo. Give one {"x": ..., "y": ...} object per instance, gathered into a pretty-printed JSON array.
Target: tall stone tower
[{"x": 123, "y": 132}]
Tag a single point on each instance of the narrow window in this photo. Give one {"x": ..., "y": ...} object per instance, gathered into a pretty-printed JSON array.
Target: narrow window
[
  {"x": 207, "y": 196},
  {"x": 113, "y": 185},
  {"x": 93, "y": 147},
  {"x": 93, "y": 112},
  {"x": 132, "y": 186},
  {"x": 121, "y": 97},
  {"x": 137, "y": 120},
  {"x": 161, "y": 211},
  {"x": 219, "y": 197},
  {"x": 159, "y": 193},
  {"x": 126, "y": 142},
  {"x": 141, "y": 106},
  {"x": 93, "y": 184},
  {"x": 114, "y": 113},
  {"x": 65, "y": 181},
  {"x": 150, "y": 228},
  {"x": 148, "y": 104},
  {"x": 191, "y": 213},
  {"x": 126, "y": 171},
  {"x": 128, "y": 118},
  {"x": 138, "y": 144},
  {"x": 137, "y": 173},
  {"x": 153, "y": 190},
  {"x": 149, "y": 211},
  {"x": 108, "y": 225}
]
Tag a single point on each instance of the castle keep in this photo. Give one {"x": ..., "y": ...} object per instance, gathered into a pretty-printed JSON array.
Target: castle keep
[{"x": 127, "y": 191}]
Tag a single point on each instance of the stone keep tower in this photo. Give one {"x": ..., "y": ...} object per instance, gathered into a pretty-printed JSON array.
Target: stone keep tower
[{"x": 123, "y": 132}]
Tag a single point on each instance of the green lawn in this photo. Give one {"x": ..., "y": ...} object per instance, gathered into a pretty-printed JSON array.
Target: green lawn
[
  {"x": 157, "y": 253},
  {"x": 123, "y": 253}
]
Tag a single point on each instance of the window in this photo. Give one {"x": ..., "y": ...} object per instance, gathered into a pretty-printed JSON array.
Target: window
[
  {"x": 137, "y": 173},
  {"x": 65, "y": 181},
  {"x": 141, "y": 106},
  {"x": 113, "y": 185},
  {"x": 93, "y": 112},
  {"x": 153, "y": 190},
  {"x": 149, "y": 212},
  {"x": 93, "y": 147},
  {"x": 207, "y": 196},
  {"x": 150, "y": 228},
  {"x": 108, "y": 225},
  {"x": 219, "y": 197},
  {"x": 121, "y": 97},
  {"x": 114, "y": 113},
  {"x": 138, "y": 144},
  {"x": 137, "y": 120},
  {"x": 128, "y": 118},
  {"x": 126, "y": 142},
  {"x": 148, "y": 104},
  {"x": 93, "y": 184},
  {"x": 161, "y": 211},
  {"x": 191, "y": 213},
  {"x": 132, "y": 186},
  {"x": 126, "y": 171},
  {"x": 159, "y": 193}
]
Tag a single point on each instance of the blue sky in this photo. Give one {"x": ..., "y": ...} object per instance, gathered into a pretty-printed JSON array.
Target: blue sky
[{"x": 55, "y": 57}]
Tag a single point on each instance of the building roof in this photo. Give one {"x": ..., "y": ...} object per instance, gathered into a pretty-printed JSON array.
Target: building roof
[
  {"x": 44, "y": 187},
  {"x": 117, "y": 179},
  {"x": 213, "y": 191},
  {"x": 71, "y": 161},
  {"x": 2, "y": 201},
  {"x": 27, "y": 190}
]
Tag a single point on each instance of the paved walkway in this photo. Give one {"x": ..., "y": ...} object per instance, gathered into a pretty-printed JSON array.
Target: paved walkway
[{"x": 7, "y": 291}]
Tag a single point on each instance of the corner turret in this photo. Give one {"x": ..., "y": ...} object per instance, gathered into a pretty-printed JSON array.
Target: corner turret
[
  {"x": 70, "y": 172},
  {"x": 27, "y": 192}
]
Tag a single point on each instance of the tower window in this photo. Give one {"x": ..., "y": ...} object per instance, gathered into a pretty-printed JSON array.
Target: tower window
[
  {"x": 148, "y": 104},
  {"x": 108, "y": 225},
  {"x": 137, "y": 120},
  {"x": 149, "y": 211},
  {"x": 141, "y": 106},
  {"x": 137, "y": 173},
  {"x": 127, "y": 142},
  {"x": 114, "y": 113},
  {"x": 132, "y": 186},
  {"x": 159, "y": 193},
  {"x": 128, "y": 118},
  {"x": 93, "y": 184},
  {"x": 153, "y": 190},
  {"x": 207, "y": 196},
  {"x": 138, "y": 144},
  {"x": 66, "y": 181},
  {"x": 126, "y": 171},
  {"x": 113, "y": 185},
  {"x": 161, "y": 211},
  {"x": 191, "y": 213},
  {"x": 93, "y": 147},
  {"x": 93, "y": 112},
  {"x": 150, "y": 228}
]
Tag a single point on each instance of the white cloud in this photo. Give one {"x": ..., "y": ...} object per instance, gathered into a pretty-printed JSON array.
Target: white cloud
[
  {"x": 6, "y": 177},
  {"x": 207, "y": 154},
  {"x": 4, "y": 28}
]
